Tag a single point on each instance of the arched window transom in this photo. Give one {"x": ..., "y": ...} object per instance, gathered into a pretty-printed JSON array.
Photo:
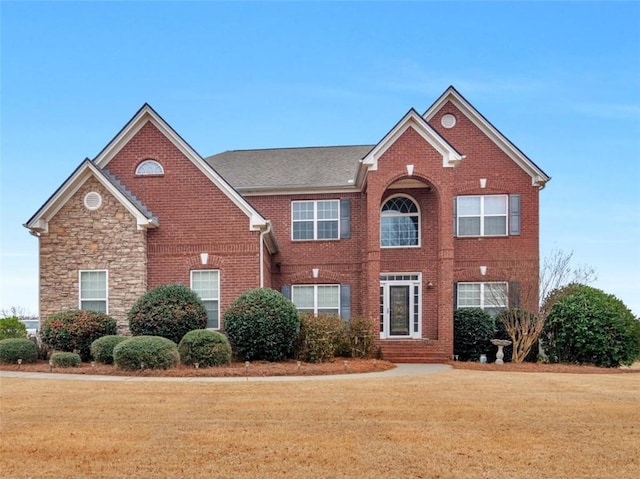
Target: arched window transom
[
  {"x": 149, "y": 167},
  {"x": 399, "y": 223}
]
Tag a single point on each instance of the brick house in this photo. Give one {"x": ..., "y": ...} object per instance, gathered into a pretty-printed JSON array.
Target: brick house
[{"x": 441, "y": 213}]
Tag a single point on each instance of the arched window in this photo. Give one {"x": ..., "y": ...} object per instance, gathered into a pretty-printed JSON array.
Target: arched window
[
  {"x": 399, "y": 223},
  {"x": 149, "y": 167}
]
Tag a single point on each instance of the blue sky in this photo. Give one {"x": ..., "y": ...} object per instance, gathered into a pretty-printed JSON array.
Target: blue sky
[{"x": 560, "y": 79}]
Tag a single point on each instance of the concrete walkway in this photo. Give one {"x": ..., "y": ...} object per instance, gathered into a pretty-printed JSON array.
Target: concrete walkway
[{"x": 401, "y": 370}]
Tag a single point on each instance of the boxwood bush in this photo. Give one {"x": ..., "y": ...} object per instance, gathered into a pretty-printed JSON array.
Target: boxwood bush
[
  {"x": 12, "y": 349},
  {"x": 262, "y": 324},
  {"x": 589, "y": 326},
  {"x": 102, "y": 348},
  {"x": 11, "y": 327},
  {"x": 473, "y": 329},
  {"x": 75, "y": 330},
  {"x": 321, "y": 338},
  {"x": 205, "y": 347},
  {"x": 146, "y": 352},
  {"x": 170, "y": 311},
  {"x": 65, "y": 360}
]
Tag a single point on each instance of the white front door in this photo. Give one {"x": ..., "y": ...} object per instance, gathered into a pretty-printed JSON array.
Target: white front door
[{"x": 400, "y": 305}]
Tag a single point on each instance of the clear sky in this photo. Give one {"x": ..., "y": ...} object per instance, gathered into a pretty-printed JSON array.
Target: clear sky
[{"x": 560, "y": 79}]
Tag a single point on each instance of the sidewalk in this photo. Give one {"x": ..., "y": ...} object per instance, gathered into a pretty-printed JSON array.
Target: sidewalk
[{"x": 401, "y": 370}]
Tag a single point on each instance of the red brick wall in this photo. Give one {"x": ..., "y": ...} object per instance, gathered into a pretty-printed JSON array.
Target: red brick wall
[{"x": 194, "y": 217}]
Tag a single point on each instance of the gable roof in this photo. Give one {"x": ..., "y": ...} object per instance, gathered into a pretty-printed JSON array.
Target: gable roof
[
  {"x": 147, "y": 114},
  {"x": 538, "y": 177},
  {"x": 39, "y": 222},
  {"x": 450, "y": 156},
  {"x": 287, "y": 170}
]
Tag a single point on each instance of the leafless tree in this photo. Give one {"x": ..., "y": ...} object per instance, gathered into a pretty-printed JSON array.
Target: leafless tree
[{"x": 17, "y": 311}]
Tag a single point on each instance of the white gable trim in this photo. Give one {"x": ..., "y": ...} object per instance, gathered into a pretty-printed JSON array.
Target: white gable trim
[
  {"x": 450, "y": 157},
  {"x": 538, "y": 177},
  {"x": 148, "y": 114},
  {"x": 39, "y": 223}
]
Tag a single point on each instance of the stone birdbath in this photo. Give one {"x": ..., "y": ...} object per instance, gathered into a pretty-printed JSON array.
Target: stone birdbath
[{"x": 501, "y": 343}]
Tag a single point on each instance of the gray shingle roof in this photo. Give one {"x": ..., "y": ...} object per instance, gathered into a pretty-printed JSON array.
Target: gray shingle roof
[
  {"x": 130, "y": 196},
  {"x": 290, "y": 168}
]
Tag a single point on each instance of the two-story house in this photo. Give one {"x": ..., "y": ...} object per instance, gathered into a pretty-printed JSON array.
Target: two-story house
[{"x": 441, "y": 213}]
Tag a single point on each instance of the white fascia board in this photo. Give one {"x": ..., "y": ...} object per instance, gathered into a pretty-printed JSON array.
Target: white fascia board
[
  {"x": 146, "y": 113},
  {"x": 40, "y": 222},
  {"x": 538, "y": 177},
  {"x": 450, "y": 157}
]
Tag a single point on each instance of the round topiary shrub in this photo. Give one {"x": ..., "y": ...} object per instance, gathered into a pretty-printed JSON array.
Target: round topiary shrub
[
  {"x": 11, "y": 327},
  {"x": 65, "y": 360},
  {"x": 205, "y": 347},
  {"x": 12, "y": 349},
  {"x": 146, "y": 352},
  {"x": 588, "y": 326},
  {"x": 262, "y": 324},
  {"x": 102, "y": 348},
  {"x": 473, "y": 329},
  {"x": 75, "y": 330},
  {"x": 321, "y": 338},
  {"x": 170, "y": 311}
]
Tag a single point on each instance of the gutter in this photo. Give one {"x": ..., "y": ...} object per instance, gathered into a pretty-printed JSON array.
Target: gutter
[{"x": 263, "y": 233}]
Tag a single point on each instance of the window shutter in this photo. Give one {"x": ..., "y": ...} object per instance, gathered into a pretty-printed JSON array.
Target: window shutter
[
  {"x": 286, "y": 291},
  {"x": 455, "y": 218},
  {"x": 345, "y": 218},
  {"x": 455, "y": 296},
  {"x": 514, "y": 215},
  {"x": 514, "y": 294},
  {"x": 345, "y": 301}
]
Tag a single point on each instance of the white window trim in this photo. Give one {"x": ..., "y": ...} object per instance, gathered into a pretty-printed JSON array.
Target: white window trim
[
  {"x": 315, "y": 296},
  {"x": 207, "y": 299},
  {"x": 482, "y": 217},
  {"x": 483, "y": 304},
  {"x": 149, "y": 161},
  {"x": 419, "y": 214},
  {"x": 315, "y": 220},
  {"x": 106, "y": 293}
]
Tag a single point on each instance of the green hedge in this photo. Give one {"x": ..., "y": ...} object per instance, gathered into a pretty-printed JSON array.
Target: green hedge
[
  {"x": 473, "y": 329},
  {"x": 75, "y": 330},
  {"x": 65, "y": 360},
  {"x": 12, "y": 349},
  {"x": 321, "y": 338},
  {"x": 11, "y": 327},
  {"x": 205, "y": 347},
  {"x": 146, "y": 352},
  {"x": 102, "y": 348}
]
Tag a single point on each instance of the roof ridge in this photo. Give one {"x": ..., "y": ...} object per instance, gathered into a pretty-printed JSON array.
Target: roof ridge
[{"x": 295, "y": 148}]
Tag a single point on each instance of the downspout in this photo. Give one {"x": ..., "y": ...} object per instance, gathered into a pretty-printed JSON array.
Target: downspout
[{"x": 262, "y": 235}]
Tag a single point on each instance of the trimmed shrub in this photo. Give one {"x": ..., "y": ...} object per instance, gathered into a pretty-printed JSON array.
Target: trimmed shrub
[
  {"x": 102, "y": 348},
  {"x": 146, "y": 352},
  {"x": 74, "y": 330},
  {"x": 12, "y": 349},
  {"x": 473, "y": 329},
  {"x": 65, "y": 360},
  {"x": 588, "y": 326},
  {"x": 205, "y": 347},
  {"x": 361, "y": 335},
  {"x": 261, "y": 324},
  {"x": 170, "y": 311},
  {"x": 11, "y": 327},
  {"x": 321, "y": 338}
]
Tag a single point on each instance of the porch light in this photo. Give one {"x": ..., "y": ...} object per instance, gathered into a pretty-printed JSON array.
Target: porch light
[
  {"x": 483, "y": 270},
  {"x": 483, "y": 182},
  {"x": 410, "y": 170},
  {"x": 204, "y": 258}
]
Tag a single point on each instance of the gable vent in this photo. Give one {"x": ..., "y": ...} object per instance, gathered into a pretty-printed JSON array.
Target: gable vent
[
  {"x": 92, "y": 200},
  {"x": 448, "y": 120}
]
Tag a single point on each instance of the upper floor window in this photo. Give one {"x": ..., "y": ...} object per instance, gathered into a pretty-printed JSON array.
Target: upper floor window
[
  {"x": 315, "y": 219},
  {"x": 93, "y": 290},
  {"x": 149, "y": 167},
  {"x": 399, "y": 223},
  {"x": 492, "y": 297},
  {"x": 206, "y": 284},
  {"x": 317, "y": 298},
  {"x": 482, "y": 215}
]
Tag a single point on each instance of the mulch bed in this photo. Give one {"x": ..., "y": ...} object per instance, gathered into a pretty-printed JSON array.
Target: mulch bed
[{"x": 543, "y": 368}]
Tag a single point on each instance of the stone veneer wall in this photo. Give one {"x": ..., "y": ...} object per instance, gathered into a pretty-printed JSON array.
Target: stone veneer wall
[{"x": 80, "y": 239}]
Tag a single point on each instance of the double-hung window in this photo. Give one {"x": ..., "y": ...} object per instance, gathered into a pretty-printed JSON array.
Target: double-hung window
[
  {"x": 315, "y": 220},
  {"x": 93, "y": 290},
  {"x": 206, "y": 284},
  {"x": 482, "y": 215},
  {"x": 492, "y": 297},
  {"x": 317, "y": 298}
]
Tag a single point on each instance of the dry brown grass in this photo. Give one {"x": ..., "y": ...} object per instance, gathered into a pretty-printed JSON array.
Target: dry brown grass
[{"x": 458, "y": 424}]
